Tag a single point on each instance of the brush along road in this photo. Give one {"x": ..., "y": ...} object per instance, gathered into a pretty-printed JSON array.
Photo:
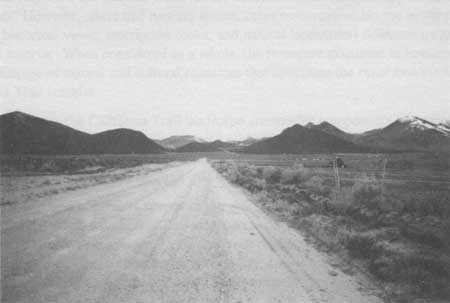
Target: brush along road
[{"x": 179, "y": 235}]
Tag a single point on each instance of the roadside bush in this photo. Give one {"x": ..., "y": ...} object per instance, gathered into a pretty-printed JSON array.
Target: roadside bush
[
  {"x": 260, "y": 172},
  {"x": 251, "y": 184},
  {"x": 425, "y": 275},
  {"x": 423, "y": 235},
  {"x": 243, "y": 175},
  {"x": 367, "y": 202},
  {"x": 362, "y": 247},
  {"x": 434, "y": 203},
  {"x": 430, "y": 231},
  {"x": 366, "y": 191},
  {"x": 50, "y": 166},
  {"x": 318, "y": 186},
  {"x": 341, "y": 202},
  {"x": 247, "y": 170},
  {"x": 231, "y": 173},
  {"x": 272, "y": 174},
  {"x": 327, "y": 230},
  {"x": 315, "y": 182},
  {"x": 297, "y": 174}
]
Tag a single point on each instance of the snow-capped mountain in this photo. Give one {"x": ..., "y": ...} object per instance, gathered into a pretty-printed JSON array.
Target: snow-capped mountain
[{"x": 410, "y": 133}]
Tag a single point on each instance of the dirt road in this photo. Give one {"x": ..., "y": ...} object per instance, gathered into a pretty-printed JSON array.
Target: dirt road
[{"x": 178, "y": 235}]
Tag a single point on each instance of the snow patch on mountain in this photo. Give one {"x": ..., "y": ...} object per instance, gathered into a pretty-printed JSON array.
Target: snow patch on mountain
[
  {"x": 419, "y": 123},
  {"x": 407, "y": 119},
  {"x": 198, "y": 139},
  {"x": 445, "y": 124}
]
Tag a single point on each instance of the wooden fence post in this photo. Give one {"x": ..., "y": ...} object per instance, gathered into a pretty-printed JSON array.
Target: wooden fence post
[
  {"x": 336, "y": 174},
  {"x": 383, "y": 175}
]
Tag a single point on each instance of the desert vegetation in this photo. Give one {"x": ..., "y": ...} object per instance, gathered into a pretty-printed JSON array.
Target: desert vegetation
[{"x": 395, "y": 229}]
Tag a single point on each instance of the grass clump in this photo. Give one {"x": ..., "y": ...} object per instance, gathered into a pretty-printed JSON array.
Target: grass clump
[{"x": 362, "y": 246}]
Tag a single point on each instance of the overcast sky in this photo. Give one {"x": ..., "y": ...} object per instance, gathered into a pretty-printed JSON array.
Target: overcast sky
[{"x": 225, "y": 69}]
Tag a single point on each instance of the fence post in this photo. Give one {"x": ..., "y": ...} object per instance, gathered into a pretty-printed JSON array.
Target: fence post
[
  {"x": 382, "y": 179},
  {"x": 384, "y": 169},
  {"x": 336, "y": 174}
]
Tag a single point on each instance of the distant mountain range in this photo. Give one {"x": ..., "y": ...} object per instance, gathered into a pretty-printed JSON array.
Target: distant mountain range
[
  {"x": 405, "y": 134},
  {"x": 174, "y": 142},
  {"x": 206, "y": 146},
  {"x": 21, "y": 133},
  {"x": 193, "y": 143},
  {"x": 245, "y": 142}
]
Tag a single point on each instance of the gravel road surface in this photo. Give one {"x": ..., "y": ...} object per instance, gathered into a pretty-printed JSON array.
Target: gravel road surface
[{"x": 179, "y": 235}]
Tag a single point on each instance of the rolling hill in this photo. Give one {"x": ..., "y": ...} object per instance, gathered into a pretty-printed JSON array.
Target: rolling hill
[
  {"x": 21, "y": 133},
  {"x": 299, "y": 139},
  {"x": 123, "y": 141}
]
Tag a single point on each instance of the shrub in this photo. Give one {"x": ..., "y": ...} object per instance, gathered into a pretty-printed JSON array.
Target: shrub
[
  {"x": 318, "y": 186},
  {"x": 251, "y": 184},
  {"x": 434, "y": 203},
  {"x": 247, "y": 170},
  {"x": 426, "y": 275},
  {"x": 48, "y": 166},
  {"x": 423, "y": 235},
  {"x": 295, "y": 175},
  {"x": 362, "y": 246},
  {"x": 315, "y": 182},
  {"x": 260, "y": 172},
  {"x": 341, "y": 201},
  {"x": 271, "y": 174},
  {"x": 366, "y": 190},
  {"x": 327, "y": 230}
]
